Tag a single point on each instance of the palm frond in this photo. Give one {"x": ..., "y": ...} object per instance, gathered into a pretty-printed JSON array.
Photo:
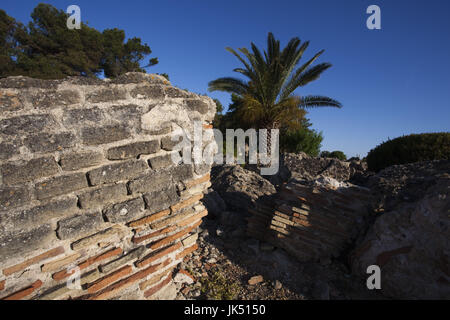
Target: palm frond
[
  {"x": 318, "y": 101},
  {"x": 228, "y": 84}
]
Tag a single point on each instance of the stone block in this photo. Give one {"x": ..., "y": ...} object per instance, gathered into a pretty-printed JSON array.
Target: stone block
[
  {"x": 133, "y": 150},
  {"x": 77, "y": 160},
  {"x": 18, "y": 173},
  {"x": 33, "y": 123},
  {"x": 117, "y": 172},
  {"x": 60, "y": 185},
  {"x": 99, "y": 196},
  {"x": 11, "y": 197},
  {"x": 45, "y": 142},
  {"x": 102, "y": 135},
  {"x": 18, "y": 244},
  {"x": 125, "y": 211},
  {"x": 159, "y": 200},
  {"x": 79, "y": 225}
]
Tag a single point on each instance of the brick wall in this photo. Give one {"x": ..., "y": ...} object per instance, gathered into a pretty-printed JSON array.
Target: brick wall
[
  {"x": 312, "y": 223},
  {"x": 87, "y": 183}
]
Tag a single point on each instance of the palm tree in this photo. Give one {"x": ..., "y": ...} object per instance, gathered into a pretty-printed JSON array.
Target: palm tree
[{"x": 267, "y": 99}]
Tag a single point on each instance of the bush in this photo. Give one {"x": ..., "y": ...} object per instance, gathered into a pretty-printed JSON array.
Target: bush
[
  {"x": 301, "y": 140},
  {"x": 408, "y": 149},
  {"x": 335, "y": 154}
]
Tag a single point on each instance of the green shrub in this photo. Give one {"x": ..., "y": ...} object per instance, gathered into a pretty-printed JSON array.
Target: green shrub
[
  {"x": 408, "y": 149},
  {"x": 217, "y": 287},
  {"x": 301, "y": 140},
  {"x": 335, "y": 154}
]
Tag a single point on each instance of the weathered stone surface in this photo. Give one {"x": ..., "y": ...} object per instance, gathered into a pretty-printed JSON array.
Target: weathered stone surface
[
  {"x": 130, "y": 256},
  {"x": 238, "y": 187},
  {"x": 106, "y": 95},
  {"x": 17, "y": 244},
  {"x": 182, "y": 172},
  {"x": 163, "y": 161},
  {"x": 96, "y": 238},
  {"x": 117, "y": 172},
  {"x": 168, "y": 144},
  {"x": 102, "y": 195},
  {"x": 20, "y": 82},
  {"x": 197, "y": 105},
  {"x": 152, "y": 181},
  {"x": 62, "y": 290},
  {"x": 125, "y": 211},
  {"x": 411, "y": 241},
  {"x": 165, "y": 129},
  {"x": 139, "y": 77},
  {"x": 17, "y": 173},
  {"x": 27, "y": 219},
  {"x": 133, "y": 150},
  {"x": 11, "y": 197},
  {"x": 79, "y": 225},
  {"x": 9, "y": 149},
  {"x": 202, "y": 168},
  {"x": 148, "y": 92},
  {"x": 55, "y": 98},
  {"x": 172, "y": 92},
  {"x": 60, "y": 185},
  {"x": 10, "y": 101},
  {"x": 45, "y": 142},
  {"x": 34, "y": 123},
  {"x": 102, "y": 135},
  {"x": 159, "y": 200},
  {"x": 82, "y": 116},
  {"x": 130, "y": 113},
  {"x": 77, "y": 160}
]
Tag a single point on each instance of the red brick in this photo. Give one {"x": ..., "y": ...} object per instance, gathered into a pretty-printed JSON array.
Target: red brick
[
  {"x": 156, "y": 288},
  {"x": 21, "y": 266},
  {"x": 145, "y": 284},
  {"x": 195, "y": 182},
  {"x": 124, "y": 283},
  {"x": 157, "y": 254},
  {"x": 187, "y": 273},
  {"x": 83, "y": 265},
  {"x": 154, "y": 234},
  {"x": 24, "y": 292},
  {"x": 187, "y": 251},
  {"x": 185, "y": 203},
  {"x": 149, "y": 219},
  {"x": 163, "y": 242},
  {"x": 105, "y": 281},
  {"x": 191, "y": 219}
]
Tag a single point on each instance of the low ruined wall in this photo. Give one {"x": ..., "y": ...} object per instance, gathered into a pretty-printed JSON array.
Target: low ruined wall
[
  {"x": 312, "y": 223},
  {"x": 88, "y": 186}
]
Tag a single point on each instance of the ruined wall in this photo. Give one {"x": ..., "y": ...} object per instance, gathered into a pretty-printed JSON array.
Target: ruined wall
[
  {"x": 87, "y": 183},
  {"x": 311, "y": 222}
]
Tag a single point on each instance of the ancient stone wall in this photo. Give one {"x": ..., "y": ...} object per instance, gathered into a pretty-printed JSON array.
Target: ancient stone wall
[{"x": 88, "y": 186}]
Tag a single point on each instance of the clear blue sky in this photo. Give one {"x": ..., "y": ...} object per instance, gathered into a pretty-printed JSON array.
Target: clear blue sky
[{"x": 392, "y": 81}]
